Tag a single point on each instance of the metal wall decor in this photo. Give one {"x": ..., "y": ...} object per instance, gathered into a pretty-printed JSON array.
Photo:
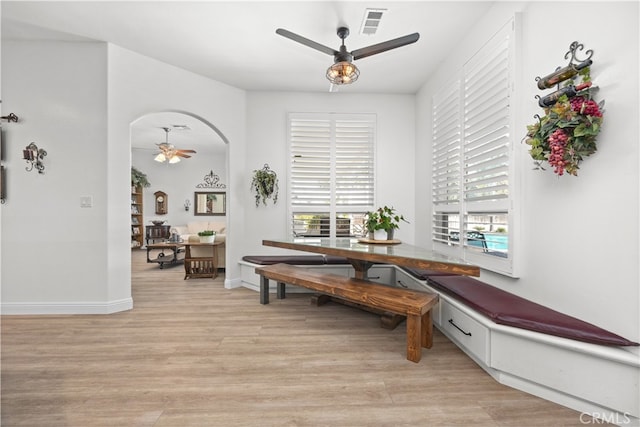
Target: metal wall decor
[
  {"x": 187, "y": 203},
  {"x": 10, "y": 118},
  {"x": 570, "y": 70},
  {"x": 3, "y": 180},
  {"x": 572, "y": 119},
  {"x": 211, "y": 180},
  {"x": 34, "y": 156}
]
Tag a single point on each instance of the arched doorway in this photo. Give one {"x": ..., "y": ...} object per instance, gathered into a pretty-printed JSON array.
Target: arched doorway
[{"x": 201, "y": 167}]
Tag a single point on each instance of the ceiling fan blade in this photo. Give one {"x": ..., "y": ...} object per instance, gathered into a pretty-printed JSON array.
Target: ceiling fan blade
[
  {"x": 186, "y": 151},
  {"x": 384, "y": 46},
  {"x": 179, "y": 154},
  {"x": 305, "y": 41}
]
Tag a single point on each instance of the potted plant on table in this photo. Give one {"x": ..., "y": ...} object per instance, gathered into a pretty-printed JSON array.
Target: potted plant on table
[
  {"x": 382, "y": 222},
  {"x": 207, "y": 236}
]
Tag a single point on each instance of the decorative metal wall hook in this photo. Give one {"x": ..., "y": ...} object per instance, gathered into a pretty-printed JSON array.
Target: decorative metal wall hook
[
  {"x": 10, "y": 118},
  {"x": 34, "y": 155},
  {"x": 573, "y": 48}
]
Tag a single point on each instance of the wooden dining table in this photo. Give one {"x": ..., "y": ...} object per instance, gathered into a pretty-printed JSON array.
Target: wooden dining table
[{"x": 363, "y": 253}]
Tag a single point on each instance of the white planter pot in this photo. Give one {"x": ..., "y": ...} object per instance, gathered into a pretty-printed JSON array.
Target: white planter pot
[
  {"x": 379, "y": 235},
  {"x": 207, "y": 239}
]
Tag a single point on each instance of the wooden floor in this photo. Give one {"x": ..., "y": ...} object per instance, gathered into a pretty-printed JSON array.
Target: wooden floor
[{"x": 192, "y": 353}]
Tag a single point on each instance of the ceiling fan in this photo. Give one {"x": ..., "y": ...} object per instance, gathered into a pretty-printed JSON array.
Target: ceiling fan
[
  {"x": 343, "y": 71},
  {"x": 169, "y": 152}
]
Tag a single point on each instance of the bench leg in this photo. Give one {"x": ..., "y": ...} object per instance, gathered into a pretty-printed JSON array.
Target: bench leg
[
  {"x": 280, "y": 290},
  {"x": 427, "y": 330},
  {"x": 264, "y": 290},
  {"x": 414, "y": 337}
]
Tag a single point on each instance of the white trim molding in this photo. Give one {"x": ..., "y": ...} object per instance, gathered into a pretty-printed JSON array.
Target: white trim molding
[{"x": 81, "y": 307}]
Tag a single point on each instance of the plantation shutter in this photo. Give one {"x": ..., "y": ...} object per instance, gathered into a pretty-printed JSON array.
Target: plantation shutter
[
  {"x": 354, "y": 163},
  {"x": 331, "y": 175},
  {"x": 471, "y": 182},
  {"x": 447, "y": 163},
  {"x": 486, "y": 124},
  {"x": 310, "y": 179}
]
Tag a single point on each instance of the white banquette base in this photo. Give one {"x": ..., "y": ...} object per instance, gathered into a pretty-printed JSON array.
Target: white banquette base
[{"x": 598, "y": 381}]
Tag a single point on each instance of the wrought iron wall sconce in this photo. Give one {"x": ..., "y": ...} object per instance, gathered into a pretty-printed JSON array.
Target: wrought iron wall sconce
[
  {"x": 187, "y": 203},
  {"x": 34, "y": 155},
  {"x": 10, "y": 118}
]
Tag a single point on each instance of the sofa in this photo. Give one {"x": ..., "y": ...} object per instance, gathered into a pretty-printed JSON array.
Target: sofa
[{"x": 190, "y": 231}]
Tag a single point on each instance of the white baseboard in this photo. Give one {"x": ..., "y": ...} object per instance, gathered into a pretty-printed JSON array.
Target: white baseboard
[
  {"x": 83, "y": 307},
  {"x": 232, "y": 283}
]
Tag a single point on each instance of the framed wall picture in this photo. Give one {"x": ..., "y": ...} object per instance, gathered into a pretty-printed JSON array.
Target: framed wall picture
[{"x": 210, "y": 203}]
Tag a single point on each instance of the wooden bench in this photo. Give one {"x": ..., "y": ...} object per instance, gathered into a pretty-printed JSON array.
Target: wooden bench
[{"x": 416, "y": 306}]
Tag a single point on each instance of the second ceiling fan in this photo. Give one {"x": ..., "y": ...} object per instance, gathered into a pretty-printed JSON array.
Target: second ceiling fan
[
  {"x": 170, "y": 153},
  {"x": 343, "y": 71}
]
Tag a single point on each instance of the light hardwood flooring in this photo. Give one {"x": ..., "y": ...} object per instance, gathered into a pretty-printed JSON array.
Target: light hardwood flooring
[{"x": 192, "y": 353}]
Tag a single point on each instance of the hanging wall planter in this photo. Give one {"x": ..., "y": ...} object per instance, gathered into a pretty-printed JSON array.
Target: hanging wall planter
[{"x": 265, "y": 185}]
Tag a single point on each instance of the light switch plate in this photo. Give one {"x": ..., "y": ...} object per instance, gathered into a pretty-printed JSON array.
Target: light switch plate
[{"x": 86, "y": 201}]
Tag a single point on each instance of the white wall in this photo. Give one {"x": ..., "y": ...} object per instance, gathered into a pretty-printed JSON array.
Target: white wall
[
  {"x": 579, "y": 235},
  {"x": 267, "y": 143},
  {"x": 54, "y": 251},
  {"x": 77, "y": 100}
]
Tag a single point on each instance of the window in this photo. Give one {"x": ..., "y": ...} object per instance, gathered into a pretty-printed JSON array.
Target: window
[
  {"x": 331, "y": 173},
  {"x": 472, "y": 168}
]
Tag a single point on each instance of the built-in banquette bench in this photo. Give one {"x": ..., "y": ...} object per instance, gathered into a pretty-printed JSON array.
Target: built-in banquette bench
[
  {"x": 415, "y": 306},
  {"x": 536, "y": 349},
  {"x": 507, "y": 309},
  {"x": 523, "y": 344}
]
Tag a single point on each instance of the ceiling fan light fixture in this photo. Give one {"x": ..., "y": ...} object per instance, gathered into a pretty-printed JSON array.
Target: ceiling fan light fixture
[
  {"x": 343, "y": 73},
  {"x": 174, "y": 159},
  {"x": 160, "y": 158}
]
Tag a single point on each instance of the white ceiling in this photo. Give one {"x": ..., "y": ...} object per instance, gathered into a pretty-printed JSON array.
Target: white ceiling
[{"x": 235, "y": 41}]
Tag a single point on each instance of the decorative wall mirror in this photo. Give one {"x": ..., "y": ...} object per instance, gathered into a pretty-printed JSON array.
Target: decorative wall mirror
[
  {"x": 161, "y": 202},
  {"x": 210, "y": 203}
]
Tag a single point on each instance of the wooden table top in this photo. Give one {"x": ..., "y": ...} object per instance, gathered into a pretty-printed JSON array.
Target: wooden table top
[{"x": 401, "y": 254}]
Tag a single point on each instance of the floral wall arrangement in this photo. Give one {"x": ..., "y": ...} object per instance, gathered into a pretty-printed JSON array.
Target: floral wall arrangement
[{"x": 572, "y": 119}]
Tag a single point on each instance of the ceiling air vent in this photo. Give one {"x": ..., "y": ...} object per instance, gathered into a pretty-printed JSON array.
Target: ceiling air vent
[{"x": 371, "y": 21}]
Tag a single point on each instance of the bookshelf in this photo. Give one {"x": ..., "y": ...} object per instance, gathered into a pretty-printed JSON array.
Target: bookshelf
[{"x": 137, "y": 236}]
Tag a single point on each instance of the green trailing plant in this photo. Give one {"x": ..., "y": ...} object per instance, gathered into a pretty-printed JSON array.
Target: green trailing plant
[
  {"x": 139, "y": 179},
  {"x": 265, "y": 185},
  {"x": 206, "y": 233},
  {"x": 384, "y": 218}
]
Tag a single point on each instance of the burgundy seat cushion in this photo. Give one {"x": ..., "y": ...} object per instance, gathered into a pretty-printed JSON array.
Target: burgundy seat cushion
[
  {"x": 508, "y": 309},
  {"x": 424, "y": 274},
  {"x": 285, "y": 259}
]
